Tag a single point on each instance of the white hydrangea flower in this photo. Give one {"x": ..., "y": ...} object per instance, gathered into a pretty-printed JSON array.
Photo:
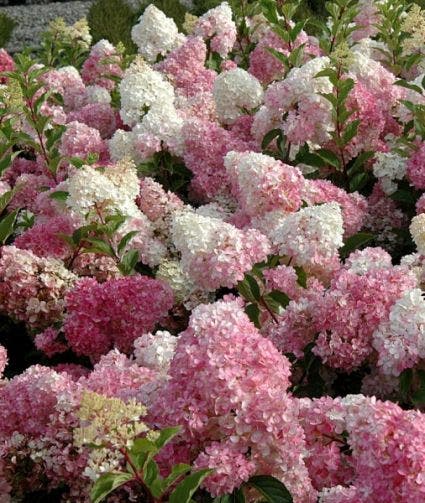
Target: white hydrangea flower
[
  {"x": 302, "y": 79},
  {"x": 97, "y": 94},
  {"x": 400, "y": 341},
  {"x": 193, "y": 234},
  {"x": 121, "y": 145},
  {"x": 140, "y": 89},
  {"x": 235, "y": 90},
  {"x": 417, "y": 230},
  {"x": 388, "y": 167},
  {"x": 312, "y": 234},
  {"x": 163, "y": 121},
  {"x": 155, "y": 34},
  {"x": 155, "y": 351},
  {"x": 89, "y": 189}
]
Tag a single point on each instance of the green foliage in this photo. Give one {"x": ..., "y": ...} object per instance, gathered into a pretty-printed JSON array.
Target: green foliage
[
  {"x": 7, "y": 25},
  {"x": 271, "y": 490},
  {"x": 112, "y": 20},
  {"x": 178, "y": 487}
]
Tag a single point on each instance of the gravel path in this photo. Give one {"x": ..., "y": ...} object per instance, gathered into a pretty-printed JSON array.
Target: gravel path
[{"x": 34, "y": 19}]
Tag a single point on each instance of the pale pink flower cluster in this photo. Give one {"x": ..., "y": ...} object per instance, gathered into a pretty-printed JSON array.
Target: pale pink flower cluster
[
  {"x": 218, "y": 27},
  {"x": 261, "y": 183},
  {"x": 215, "y": 253},
  {"x": 32, "y": 289},
  {"x": 233, "y": 381},
  {"x": 349, "y": 312}
]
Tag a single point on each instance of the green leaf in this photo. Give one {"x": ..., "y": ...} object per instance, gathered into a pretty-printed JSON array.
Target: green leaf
[
  {"x": 350, "y": 131},
  {"x": 150, "y": 472},
  {"x": 269, "y": 137},
  {"x": 99, "y": 246},
  {"x": 128, "y": 262},
  {"x": 186, "y": 489},
  {"x": 278, "y": 55},
  {"x": 276, "y": 300},
  {"x": 418, "y": 397},
  {"x": 406, "y": 378},
  {"x": 407, "y": 85},
  {"x": 5, "y": 199},
  {"x": 107, "y": 483},
  {"x": 253, "y": 285},
  {"x": 166, "y": 435},
  {"x": 301, "y": 276},
  {"x": 7, "y": 225},
  {"x": 271, "y": 489},
  {"x": 359, "y": 162},
  {"x": 176, "y": 471},
  {"x": 59, "y": 195},
  {"x": 125, "y": 240},
  {"x": 358, "y": 181},
  {"x": 354, "y": 242},
  {"x": 329, "y": 157},
  {"x": 253, "y": 312},
  {"x": 296, "y": 30},
  {"x": 403, "y": 196},
  {"x": 237, "y": 496}
]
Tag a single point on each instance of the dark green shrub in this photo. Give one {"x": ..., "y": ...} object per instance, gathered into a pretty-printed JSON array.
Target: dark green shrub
[
  {"x": 7, "y": 26},
  {"x": 112, "y": 20}
]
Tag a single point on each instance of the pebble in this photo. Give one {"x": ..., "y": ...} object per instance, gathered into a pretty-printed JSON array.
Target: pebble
[{"x": 34, "y": 19}]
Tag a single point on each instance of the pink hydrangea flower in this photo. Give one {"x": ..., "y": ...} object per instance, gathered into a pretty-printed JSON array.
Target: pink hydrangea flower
[
  {"x": 102, "y": 65},
  {"x": 79, "y": 140},
  {"x": 100, "y": 116},
  {"x": 6, "y": 64},
  {"x": 415, "y": 167},
  {"x": 185, "y": 67},
  {"x": 101, "y": 316},
  {"x": 227, "y": 382},
  {"x": 3, "y": 359},
  {"x": 351, "y": 309},
  {"x": 44, "y": 240}
]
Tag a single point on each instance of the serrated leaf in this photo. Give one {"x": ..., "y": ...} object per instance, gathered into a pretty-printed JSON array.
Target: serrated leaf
[
  {"x": 329, "y": 157},
  {"x": 7, "y": 225},
  {"x": 276, "y": 297},
  {"x": 359, "y": 162},
  {"x": 271, "y": 489},
  {"x": 350, "y": 131},
  {"x": 107, "y": 483},
  {"x": 186, "y": 489},
  {"x": 269, "y": 137},
  {"x": 125, "y": 240},
  {"x": 253, "y": 285},
  {"x": 403, "y": 196},
  {"x": 150, "y": 472},
  {"x": 5, "y": 199},
  {"x": 166, "y": 435},
  {"x": 128, "y": 262},
  {"x": 237, "y": 496},
  {"x": 301, "y": 276},
  {"x": 354, "y": 242},
  {"x": 176, "y": 471},
  {"x": 278, "y": 55},
  {"x": 253, "y": 312},
  {"x": 408, "y": 85},
  {"x": 99, "y": 246},
  {"x": 358, "y": 181},
  {"x": 296, "y": 30}
]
